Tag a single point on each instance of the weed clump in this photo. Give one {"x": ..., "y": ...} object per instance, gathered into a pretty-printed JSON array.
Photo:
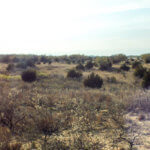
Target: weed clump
[
  {"x": 74, "y": 74},
  {"x": 93, "y": 81},
  {"x": 29, "y": 75}
]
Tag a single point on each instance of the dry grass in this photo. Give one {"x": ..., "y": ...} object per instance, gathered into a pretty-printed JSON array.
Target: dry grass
[{"x": 68, "y": 114}]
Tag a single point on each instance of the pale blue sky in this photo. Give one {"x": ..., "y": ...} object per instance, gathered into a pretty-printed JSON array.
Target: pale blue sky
[{"x": 90, "y": 27}]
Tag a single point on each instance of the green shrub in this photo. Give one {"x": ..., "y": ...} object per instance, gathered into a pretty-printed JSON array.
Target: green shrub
[
  {"x": 118, "y": 58},
  {"x": 111, "y": 80},
  {"x": 49, "y": 62},
  {"x": 146, "y": 80},
  {"x": 74, "y": 74},
  {"x": 30, "y": 63},
  {"x": 44, "y": 59},
  {"x": 80, "y": 67},
  {"x": 139, "y": 71},
  {"x": 89, "y": 65},
  {"x": 124, "y": 67},
  {"x": 135, "y": 64},
  {"x": 93, "y": 81},
  {"x": 21, "y": 65},
  {"x": 146, "y": 58},
  {"x": 6, "y": 59},
  {"x": 10, "y": 67},
  {"x": 29, "y": 75},
  {"x": 105, "y": 64}
]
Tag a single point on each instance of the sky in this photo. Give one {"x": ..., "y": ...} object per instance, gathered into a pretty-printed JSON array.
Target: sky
[{"x": 89, "y": 27}]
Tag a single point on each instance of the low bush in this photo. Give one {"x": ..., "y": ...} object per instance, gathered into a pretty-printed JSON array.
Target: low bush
[
  {"x": 29, "y": 75},
  {"x": 105, "y": 64},
  {"x": 30, "y": 63},
  {"x": 21, "y": 65},
  {"x": 111, "y": 80},
  {"x": 118, "y": 58},
  {"x": 139, "y": 71},
  {"x": 146, "y": 80},
  {"x": 89, "y": 65},
  {"x": 74, "y": 74},
  {"x": 124, "y": 67},
  {"x": 146, "y": 58},
  {"x": 93, "y": 81},
  {"x": 10, "y": 67},
  {"x": 135, "y": 64},
  {"x": 80, "y": 67}
]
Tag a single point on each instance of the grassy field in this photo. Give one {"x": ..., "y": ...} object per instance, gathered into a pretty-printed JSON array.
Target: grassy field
[{"x": 57, "y": 113}]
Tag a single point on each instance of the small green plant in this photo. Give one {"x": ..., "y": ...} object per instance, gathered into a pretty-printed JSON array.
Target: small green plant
[
  {"x": 74, "y": 74},
  {"x": 124, "y": 67},
  {"x": 93, "y": 81},
  {"x": 139, "y": 71},
  {"x": 29, "y": 75}
]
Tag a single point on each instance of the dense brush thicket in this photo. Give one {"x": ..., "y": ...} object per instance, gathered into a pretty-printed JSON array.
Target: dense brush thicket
[
  {"x": 29, "y": 75},
  {"x": 93, "y": 81}
]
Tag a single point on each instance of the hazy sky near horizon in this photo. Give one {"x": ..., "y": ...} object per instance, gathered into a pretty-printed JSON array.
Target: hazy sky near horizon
[{"x": 90, "y": 27}]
